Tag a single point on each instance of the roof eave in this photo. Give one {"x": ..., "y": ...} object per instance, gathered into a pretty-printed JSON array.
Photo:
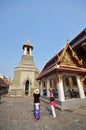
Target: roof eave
[{"x": 62, "y": 69}]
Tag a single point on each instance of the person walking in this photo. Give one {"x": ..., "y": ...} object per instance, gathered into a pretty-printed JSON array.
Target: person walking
[
  {"x": 52, "y": 102},
  {"x": 36, "y": 96}
]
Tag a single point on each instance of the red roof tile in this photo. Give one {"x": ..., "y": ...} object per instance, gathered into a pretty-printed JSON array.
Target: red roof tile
[{"x": 2, "y": 83}]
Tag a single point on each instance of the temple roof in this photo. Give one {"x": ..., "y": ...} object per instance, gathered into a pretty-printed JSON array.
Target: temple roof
[
  {"x": 64, "y": 61},
  {"x": 62, "y": 69},
  {"x": 2, "y": 83},
  {"x": 79, "y": 42}
]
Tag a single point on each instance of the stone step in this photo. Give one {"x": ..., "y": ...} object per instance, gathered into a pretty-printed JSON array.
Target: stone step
[{"x": 16, "y": 92}]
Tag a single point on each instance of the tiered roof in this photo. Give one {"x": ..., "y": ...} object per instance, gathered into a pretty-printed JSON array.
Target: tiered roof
[{"x": 64, "y": 61}]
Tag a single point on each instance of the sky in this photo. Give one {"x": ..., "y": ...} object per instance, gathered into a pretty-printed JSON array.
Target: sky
[{"x": 47, "y": 24}]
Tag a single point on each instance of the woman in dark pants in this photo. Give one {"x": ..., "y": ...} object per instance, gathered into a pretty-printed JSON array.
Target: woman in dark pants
[{"x": 36, "y": 96}]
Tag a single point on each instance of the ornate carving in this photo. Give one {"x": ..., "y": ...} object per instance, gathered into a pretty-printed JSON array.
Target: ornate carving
[{"x": 68, "y": 57}]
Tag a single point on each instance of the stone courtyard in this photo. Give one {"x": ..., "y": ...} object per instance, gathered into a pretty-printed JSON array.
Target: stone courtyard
[{"x": 17, "y": 114}]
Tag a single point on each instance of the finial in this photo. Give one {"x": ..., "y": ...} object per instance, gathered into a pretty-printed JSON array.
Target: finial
[
  {"x": 28, "y": 39},
  {"x": 67, "y": 42},
  {"x": 67, "y": 39}
]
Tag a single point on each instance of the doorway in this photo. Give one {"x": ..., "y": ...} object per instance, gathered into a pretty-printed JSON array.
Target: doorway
[
  {"x": 71, "y": 88},
  {"x": 27, "y": 87}
]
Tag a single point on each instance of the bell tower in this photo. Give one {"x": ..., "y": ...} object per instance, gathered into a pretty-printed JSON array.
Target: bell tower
[{"x": 24, "y": 80}]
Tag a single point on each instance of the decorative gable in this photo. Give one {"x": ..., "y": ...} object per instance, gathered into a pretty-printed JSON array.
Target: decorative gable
[
  {"x": 68, "y": 57},
  {"x": 68, "y": 60}
]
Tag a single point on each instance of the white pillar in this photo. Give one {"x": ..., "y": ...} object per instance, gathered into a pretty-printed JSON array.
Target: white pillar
[
  {"x": 61, "y": 96},
  {"x": 30, "y": 51},
  {"x": 48, "y": 86},
  {"x": 80, "y": 87},
  {"x": 25, "y": 50},
  {"x": 41, "y": 93}
]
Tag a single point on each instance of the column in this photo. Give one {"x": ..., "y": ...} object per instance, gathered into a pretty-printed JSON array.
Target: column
[
  {"x": 25, "y": 50},
  {"x": 48, "y": 86},
  {"x": 71, "y": 82},
  {"x": 30, "y": 51},
  {"x": 80, "y": 87},
  {"x": 61, "y": 96},
  {"x": 41, "y": 93}
]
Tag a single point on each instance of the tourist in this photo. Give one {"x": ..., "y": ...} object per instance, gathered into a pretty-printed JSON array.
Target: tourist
[
  {"x": 36, "y": 95},
  {"x": 52, "y": 102}
]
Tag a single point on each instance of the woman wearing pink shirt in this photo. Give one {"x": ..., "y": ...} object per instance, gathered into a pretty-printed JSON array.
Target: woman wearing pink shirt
[{"x": 52, "y": 102}]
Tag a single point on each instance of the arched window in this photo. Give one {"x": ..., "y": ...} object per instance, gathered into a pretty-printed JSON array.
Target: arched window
[{"x": 27, "y": 87}]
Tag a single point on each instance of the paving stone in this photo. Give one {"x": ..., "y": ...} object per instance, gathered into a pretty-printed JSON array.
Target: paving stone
[{"x": 17, "y": 114}]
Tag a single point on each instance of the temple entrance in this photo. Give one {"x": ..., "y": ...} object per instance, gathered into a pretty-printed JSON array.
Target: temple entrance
[
  {"x": 71, "y": 88},
  {"x": 27, "y": 88}
]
